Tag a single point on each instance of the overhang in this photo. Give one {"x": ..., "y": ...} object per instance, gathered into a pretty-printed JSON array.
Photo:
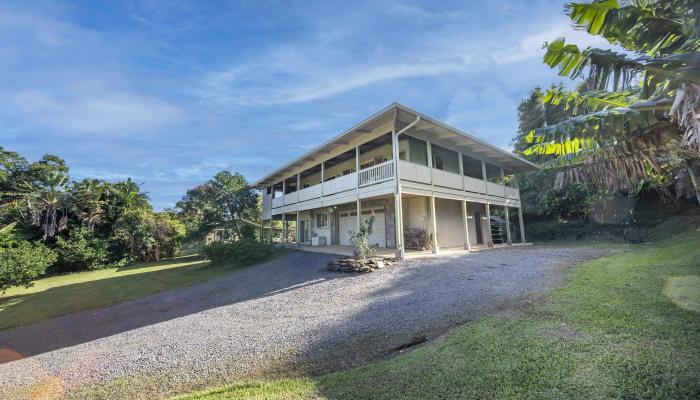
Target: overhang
[{"x": 427, "y": 126}]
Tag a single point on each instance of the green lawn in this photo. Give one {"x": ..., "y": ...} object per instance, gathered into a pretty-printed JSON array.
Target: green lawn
[
  {"x": 625, "y": 326},
  {"x": 79, "y": 291}
]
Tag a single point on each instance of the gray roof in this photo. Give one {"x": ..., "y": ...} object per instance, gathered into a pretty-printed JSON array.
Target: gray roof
[{"x": 465, "y": 142}]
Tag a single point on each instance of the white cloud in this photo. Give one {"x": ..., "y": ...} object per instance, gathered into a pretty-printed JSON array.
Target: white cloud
[
  {"x": 105, "y": 112},
  {"x": 262, "y": 82},
  {"x": 530, "y": 45}
]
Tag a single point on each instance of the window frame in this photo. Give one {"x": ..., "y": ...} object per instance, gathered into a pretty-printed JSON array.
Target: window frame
[{"x": 324, "y": 219}]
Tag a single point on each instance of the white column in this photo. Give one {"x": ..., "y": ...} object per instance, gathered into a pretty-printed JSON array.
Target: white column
[
  {"x": 522, "y": 227},
  {"x": 323, "y": 172},
  {"x": 488, "y": 225},
  {"x": 433, "y": 220},
  {"x": 461, "y": 168},
  {"x": 509, "y": 241},
  {"x": 359, "y": 213},
  {"x": 465, "y": 220},
  {"x": 398, "y": 203},
  {"x": 284, "y": 227},
  {"x": 284, "y": 190},
  {"x": 298, "y": 230},
  {"x": 357, "y": 165}
]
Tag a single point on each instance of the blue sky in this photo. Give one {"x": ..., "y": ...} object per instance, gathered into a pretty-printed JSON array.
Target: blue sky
[{"x": 171, "y": 92}]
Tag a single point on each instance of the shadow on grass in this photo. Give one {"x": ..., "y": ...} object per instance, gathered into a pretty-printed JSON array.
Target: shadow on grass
[
  {"x": 285, "y": 273},
  {"x": 171, "y": 261}
]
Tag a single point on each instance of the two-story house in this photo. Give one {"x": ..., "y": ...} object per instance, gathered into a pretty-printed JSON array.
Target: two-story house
[{"x": 428, "y": 185}]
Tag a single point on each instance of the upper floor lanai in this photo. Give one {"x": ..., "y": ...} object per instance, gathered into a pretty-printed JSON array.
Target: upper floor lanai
[{"x": 395, "y": 151}]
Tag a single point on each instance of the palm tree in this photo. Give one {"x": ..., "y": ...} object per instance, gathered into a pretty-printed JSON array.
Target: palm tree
[
  {"x": 88, "y": 203},
  {"x": 637, "y": 114},
  {"x": 47, "y": 202}
]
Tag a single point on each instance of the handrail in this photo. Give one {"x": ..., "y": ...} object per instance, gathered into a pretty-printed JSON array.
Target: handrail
[{"x": 376, "y": 174}]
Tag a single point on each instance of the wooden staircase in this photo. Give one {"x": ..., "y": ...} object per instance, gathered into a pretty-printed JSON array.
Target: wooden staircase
[{"x": 497, "y": 234}]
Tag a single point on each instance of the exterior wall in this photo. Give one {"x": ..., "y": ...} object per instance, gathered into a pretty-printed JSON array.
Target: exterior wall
[
  {"x": 450, "y": 227},
  {"x": 415, "y": 213},
  {"x": 472, "y": 209}
]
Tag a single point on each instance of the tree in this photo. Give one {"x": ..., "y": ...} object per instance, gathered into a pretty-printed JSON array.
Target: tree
[
  {"x": 21, "y": 261},
  {"x": 636, "y": 113},
  {"x": 167, "y": 232},
  {"x": 220, "y": 203}
]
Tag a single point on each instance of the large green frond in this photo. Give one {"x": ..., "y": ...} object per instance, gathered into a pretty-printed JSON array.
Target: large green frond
[
  {"x": 655, "y": 28},
  {"x": 591, "y": 101}
]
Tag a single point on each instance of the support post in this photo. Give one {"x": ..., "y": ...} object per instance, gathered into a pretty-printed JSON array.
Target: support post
[
  {"x": 357, "y": 165},
  {"x": 461, "y": 168},
  {"x": 522, "y": 226},
  {"x": 465, "y": 220},
  {"x": 509, "y": 241},
  {"x": 433, "y": 220},
  {"x": 488, "y": 225},
  {"x": 323, "y": 179},
  {"x": 359, "y": 213},
  {"x": 284, "y": 227},
  {"x": 298, "y": 230},
  {"x": 398, "y": 203}
]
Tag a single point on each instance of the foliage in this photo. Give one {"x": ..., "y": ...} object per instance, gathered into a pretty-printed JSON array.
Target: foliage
[
  {"x": 572, "y": 201},
  {"x": 21, "y": 261},
  {"x": 167, "y": 232},
  {"x": 91, "y": 223},
  {"x": 248, "y": 231},
  {"x": 246, "y": 251},
  {"x": 360, "y": 239},
  {"x": 82, "y": 250},
  {"x": 634, "y": 110},
  {"x": 220, "y": 203},
  {"x": 571, "y": 230}
]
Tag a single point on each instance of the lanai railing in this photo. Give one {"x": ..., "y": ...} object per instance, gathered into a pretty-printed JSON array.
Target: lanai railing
[{"x": 376, "y": 173}]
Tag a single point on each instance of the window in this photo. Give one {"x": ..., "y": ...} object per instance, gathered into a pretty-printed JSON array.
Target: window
[
  {"x": 321, "y": 220},
  {"x": 413, "y": 150},
  {"x": 438, "y": 163},
  {"x": 444, "y": 159},
  {"x": 493, "y": 173},
  {"x": 269, "y": 189},
  {"x": 472, "y": 167}
]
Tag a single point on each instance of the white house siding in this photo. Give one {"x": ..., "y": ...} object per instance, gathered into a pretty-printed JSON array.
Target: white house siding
[
  {"x": 481, "y": 209},
  {"x": 448, "y": 214},
  {"x": 415, "y": 213}
]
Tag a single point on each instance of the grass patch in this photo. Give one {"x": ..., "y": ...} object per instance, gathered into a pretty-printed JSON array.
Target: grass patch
[
  {"x": 625, "y": 326},
  {"x": 64, "y": 294}
]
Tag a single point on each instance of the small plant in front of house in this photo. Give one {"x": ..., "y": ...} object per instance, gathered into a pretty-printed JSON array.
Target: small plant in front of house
[{"x": 360, "y": 239}]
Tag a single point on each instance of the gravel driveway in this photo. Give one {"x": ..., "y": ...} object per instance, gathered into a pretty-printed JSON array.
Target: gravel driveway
[{"x": 288, "y": 315}]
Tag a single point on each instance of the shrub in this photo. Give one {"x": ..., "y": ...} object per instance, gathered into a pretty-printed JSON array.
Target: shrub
[
  {"x": 571, "y": 230},
  {"x": 21, "y": 261},
  {"x": 360, "y": 239},
  {"x": 82, "y": 250},
  {"x": 242, "y": 253},
  {"x": 247, "y": 232}
]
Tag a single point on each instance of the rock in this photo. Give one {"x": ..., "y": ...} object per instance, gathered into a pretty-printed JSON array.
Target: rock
[{"x": 360, "y": 266}]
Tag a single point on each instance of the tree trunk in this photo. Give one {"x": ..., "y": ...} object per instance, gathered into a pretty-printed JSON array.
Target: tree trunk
[{"x": 696, "y": 184}]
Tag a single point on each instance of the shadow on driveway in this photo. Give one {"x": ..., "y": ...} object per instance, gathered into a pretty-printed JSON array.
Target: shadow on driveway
[{"x": 287, "y": 273}]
